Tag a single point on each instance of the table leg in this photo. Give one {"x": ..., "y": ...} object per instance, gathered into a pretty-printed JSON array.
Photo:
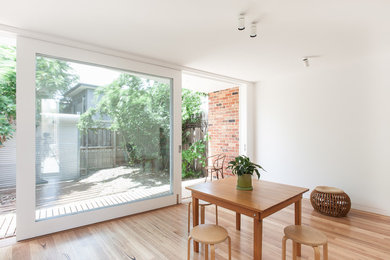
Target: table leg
[
  {"x": 195, "y": 219},
  {"x": 238, "y": 221},
  {"x": 257, "y": 238},
  {"x": 202, "y": 214},
  {"x": 298, "y": 221}
]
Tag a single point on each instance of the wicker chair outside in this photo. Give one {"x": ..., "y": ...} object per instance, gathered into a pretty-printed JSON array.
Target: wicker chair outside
[
  {"x": 330, "y": 201},
  {"x": 217, "y": 167}
]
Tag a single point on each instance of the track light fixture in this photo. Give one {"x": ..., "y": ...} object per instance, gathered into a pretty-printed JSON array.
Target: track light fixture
[
  {"x": 241, "y": 22},
  {"x": 241, "y": 26}
]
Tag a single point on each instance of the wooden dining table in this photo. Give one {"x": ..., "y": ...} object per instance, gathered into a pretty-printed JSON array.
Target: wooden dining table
[{"x": 265, "y": 199}]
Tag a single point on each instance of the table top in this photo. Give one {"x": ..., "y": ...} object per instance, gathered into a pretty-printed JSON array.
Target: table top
[{"x": 264, "y": 195}]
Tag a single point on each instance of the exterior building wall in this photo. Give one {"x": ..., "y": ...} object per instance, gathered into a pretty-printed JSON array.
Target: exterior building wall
[{"x": 223, "y": 121}]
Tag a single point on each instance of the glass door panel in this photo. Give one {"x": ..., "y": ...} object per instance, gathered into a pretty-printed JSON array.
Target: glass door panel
[{"x": 102, "y": 137}]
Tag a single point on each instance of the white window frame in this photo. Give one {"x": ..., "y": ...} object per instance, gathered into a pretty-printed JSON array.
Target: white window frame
[{"x": 27, "y": 50}]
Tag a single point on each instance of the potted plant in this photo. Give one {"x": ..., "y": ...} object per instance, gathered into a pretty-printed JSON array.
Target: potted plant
[{"x": 244, "y": 169}]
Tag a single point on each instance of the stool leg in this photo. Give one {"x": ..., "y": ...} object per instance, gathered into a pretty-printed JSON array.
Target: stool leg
[
  {"x": 230, "y": 247},
  {"x": 212, "y": 249},
  {"x": 202, "y": 214},
  {"x": 325, "y": 251},
  {"x": 216, "y": 215},
  {"x": 316, "y": 253},
  {"x": 206, "y": 252},
  {"x": 189, "y": 248},
  {"x": 189, "y": 217},
  {"x": 294, "y": 245},
  {"x": 284, "y": 248}
]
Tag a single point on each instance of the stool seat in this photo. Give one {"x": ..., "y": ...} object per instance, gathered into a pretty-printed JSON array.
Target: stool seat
[
  {"x": 209, "y": 234},
  {"x": 305, "y": 235},
  {"x": 327, "y": 189}
]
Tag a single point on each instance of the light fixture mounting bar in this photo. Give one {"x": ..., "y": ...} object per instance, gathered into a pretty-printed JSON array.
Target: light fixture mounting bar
[
  {"x": 253, "y": 33},
  {"x": 241, "y": 22}
]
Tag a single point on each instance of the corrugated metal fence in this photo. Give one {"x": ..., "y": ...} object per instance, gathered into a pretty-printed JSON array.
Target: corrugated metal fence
[{"x": 8, "y": 164}]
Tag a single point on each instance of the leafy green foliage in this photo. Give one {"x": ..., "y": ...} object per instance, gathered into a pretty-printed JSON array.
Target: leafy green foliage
[
  {"x": 191, "y": 106},
  {"x": 195, "y": 153},
  {"x": 7, "y": 92},
  {"x": 192, "y": 114},
  {"x": 139, "y": 110},
  {"x": 242, "y": 165},
  {"x": 53, "y": 78}
]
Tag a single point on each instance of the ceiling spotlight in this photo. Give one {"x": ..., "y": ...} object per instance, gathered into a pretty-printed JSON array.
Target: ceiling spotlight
[
  {"x": 306, "y": 61},
  {"x": 253, "y": 30},
  {"x": 241, "y": 22}
]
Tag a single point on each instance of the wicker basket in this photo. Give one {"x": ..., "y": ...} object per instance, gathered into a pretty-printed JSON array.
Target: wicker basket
[{"x": 330, "y": 201}]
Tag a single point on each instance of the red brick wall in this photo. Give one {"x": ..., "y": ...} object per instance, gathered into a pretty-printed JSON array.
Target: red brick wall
[{"x": 223, "y": 118}]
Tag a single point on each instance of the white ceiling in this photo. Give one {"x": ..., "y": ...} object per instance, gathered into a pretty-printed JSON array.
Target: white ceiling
[
  {"x": 203, "y": 34},
  {"x": 205, "y": 85}
]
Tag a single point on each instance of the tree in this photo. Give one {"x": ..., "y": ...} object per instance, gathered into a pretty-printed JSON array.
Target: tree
[
  {"x": 195, "y": 152},
  {"x": 139, "y": 110},
  {"x": 53, "y": 78},
  {"x": 191, "y": 118},
  {"x": 7, "y": 92},
  {"x": 191, "y": 106}
]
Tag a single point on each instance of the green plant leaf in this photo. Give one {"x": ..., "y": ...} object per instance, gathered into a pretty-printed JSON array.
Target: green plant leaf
[{"x": 242, "y": 165}]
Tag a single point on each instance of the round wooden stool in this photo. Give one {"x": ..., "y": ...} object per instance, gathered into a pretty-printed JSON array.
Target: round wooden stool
[
  {"x": 307, "y": 236},
  {"x": 209, "y": 234},
  {"x": 330, "y": 201}
]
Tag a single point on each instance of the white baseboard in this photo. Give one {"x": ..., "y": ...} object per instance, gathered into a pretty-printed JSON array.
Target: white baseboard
[
  {"x": 371, "y": 209},
  {"x": 361, "y": 207}
]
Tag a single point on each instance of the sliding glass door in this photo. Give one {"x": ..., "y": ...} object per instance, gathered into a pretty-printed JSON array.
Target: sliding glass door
[{"x": 101, "y": 143}]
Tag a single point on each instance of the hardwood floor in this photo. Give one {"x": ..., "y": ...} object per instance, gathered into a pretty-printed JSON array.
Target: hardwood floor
[
  {"x": 8, "y": 220},
  {"x": 162, "y": 234}
]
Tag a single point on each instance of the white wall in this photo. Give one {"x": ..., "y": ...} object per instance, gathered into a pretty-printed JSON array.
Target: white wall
[{"x": 329, "y": 127}]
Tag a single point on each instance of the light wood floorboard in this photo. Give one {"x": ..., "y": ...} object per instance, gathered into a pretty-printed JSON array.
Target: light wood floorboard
[{"x": 162, "y": 234}]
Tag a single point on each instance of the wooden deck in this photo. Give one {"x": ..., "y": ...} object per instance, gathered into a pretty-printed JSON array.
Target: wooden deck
[
  {"x": 8, "y": 220},
  {"x": 99, "y": 202},
  {"x": 7, "y": 225}
]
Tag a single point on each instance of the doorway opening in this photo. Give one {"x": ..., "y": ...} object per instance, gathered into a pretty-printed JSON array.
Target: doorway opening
[{"x": 210, "y": 124}]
